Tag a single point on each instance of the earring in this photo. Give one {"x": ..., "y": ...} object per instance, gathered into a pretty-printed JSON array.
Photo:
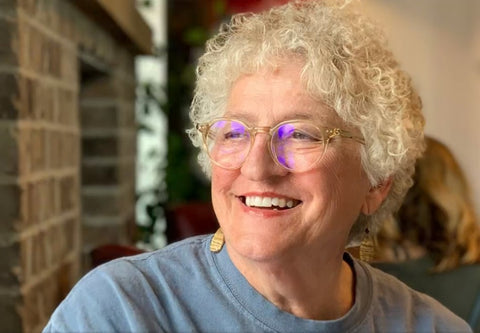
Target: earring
[
  {"x": 217, "y": 241},
  {"x": 367, "y": 247}
]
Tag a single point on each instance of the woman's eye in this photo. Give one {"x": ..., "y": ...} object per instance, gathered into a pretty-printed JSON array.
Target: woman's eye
[
  {"x": 232, "y": 135},
  {"x": 300, "y": 135}
]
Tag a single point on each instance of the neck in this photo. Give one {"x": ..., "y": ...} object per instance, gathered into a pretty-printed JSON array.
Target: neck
[{"x": 321, "y": 288}]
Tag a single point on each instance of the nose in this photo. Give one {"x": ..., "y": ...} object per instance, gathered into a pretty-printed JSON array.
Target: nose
[{"x": 259, "y": 164}]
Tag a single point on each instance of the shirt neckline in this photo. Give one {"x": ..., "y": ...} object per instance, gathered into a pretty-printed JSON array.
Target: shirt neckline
[{"x": 268, "y": 316}]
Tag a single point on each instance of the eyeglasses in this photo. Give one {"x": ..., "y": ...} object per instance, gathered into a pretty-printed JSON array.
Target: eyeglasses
[{"x": 296, "y": 145}]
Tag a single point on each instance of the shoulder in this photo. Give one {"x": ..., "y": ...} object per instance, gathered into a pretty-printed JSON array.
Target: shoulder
[
  {"x": 182, "y": 254},
  {"x": 416, "y": 310},
  {"x": 179, "y": 258},
  {"x": 126, "y": 290}
]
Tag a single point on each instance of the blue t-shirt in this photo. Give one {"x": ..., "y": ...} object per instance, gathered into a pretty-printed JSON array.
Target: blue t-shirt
[{"x": 186, "y": 288}]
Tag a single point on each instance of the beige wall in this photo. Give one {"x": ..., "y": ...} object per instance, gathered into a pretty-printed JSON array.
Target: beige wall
[{"x": 438, "y": 43}]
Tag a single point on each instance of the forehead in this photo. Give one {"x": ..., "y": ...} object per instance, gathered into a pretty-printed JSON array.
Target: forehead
[{"x": 276, "y": 94}]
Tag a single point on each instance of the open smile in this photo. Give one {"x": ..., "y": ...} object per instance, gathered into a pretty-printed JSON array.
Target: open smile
[{"x": 269, "y": 202}]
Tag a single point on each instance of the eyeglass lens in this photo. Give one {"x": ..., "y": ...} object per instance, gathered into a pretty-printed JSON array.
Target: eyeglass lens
[{"x": 295, "y": 145}]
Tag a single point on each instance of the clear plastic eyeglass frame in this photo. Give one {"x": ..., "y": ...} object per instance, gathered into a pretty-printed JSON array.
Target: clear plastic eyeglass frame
[{"x": 329, "y": 134}]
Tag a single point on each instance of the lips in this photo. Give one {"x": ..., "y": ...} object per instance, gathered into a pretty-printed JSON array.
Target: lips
[{"x": 269, "y": 202}]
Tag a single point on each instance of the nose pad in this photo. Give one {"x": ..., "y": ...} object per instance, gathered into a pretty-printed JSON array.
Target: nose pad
[{"x": 260, "y": 162}]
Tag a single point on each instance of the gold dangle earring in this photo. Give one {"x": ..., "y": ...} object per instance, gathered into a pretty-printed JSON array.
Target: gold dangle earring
[
  {"x": 217, "y": 241},
  {"x": 367, "y": 247}
]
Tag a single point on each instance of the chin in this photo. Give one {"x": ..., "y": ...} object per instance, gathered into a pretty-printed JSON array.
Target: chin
[{"x": 257, "y": 245}]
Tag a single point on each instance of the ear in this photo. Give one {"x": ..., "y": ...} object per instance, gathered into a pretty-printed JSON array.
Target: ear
[{"x": 375, "y": 197}]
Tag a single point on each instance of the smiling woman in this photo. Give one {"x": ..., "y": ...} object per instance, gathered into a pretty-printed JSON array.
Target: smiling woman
[
  {"x": 326, "y": 187},
  {"x": 310, "y": 131}
]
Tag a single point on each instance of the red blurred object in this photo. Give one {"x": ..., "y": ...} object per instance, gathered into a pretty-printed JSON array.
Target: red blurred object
[
  {"x": 107, "y": 252},
  {"x": 238, "y": 6},
  {"x": 190, "y": 219},
  {"x": 184, "y": 220}
]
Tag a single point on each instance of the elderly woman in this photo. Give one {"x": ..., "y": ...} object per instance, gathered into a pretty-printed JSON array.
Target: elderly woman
[{"x": 309, "y": 131}]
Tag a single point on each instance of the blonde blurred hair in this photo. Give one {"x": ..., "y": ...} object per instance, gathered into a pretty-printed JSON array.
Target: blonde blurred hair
[
  {"x": 346, "y": 64},
  {"x": 438, "y": 213}
]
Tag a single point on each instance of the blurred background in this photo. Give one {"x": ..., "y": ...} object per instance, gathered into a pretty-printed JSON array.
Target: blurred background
[{"x": 94, "y": 99}]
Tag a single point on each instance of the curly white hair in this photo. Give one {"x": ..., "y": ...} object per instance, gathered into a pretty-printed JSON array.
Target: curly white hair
[{"x": 346, "y": 63}]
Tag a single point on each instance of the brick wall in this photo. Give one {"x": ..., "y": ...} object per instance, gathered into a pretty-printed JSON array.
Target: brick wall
[
  {"x": 108, "y": 163},
  {"x": 47, "y": 113}
]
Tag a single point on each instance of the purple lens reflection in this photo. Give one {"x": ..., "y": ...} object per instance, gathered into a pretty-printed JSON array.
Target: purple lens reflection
[
  {"x": 229, "y": 143},
  {"x": 285, "y": 131},
  {"x": 238, "y": 127},
  {"x": 219, "y": 124},
  {"x": 284, "y": 156}
]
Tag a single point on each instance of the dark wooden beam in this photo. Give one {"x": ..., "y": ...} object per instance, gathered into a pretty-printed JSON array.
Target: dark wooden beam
[{"x": 121, "y": 19}]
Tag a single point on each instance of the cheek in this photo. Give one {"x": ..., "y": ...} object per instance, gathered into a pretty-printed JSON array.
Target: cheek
[
  {"x": 222, "y": 181},
  {"x": 345, "y": 164},
  {"x": 343, "y": 178}
]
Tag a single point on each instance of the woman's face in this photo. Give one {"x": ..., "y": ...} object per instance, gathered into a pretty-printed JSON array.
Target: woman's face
[{"x": 326, "y": 200}]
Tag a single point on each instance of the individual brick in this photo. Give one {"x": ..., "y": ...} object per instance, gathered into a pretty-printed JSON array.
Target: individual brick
[
  {"x": 53, "y": 149},
  {"x": 100, "y": 147},
  {"x": 9, "y": 96},
  {"x": 27, "y": 98},
  {"x": 70, "y": 230},
  {"x": 57, "y": 193},
  {"x": 100, "y": 88},
  {"x": 103, "y": 205},
  {"x": 68, "y": 64},
  {"x": 70, "y": 149},
  {"x": 50, "y": 196},
  {"x": 51, "y": 58},
  {"x": 100, "y": 174},
  {"x": 41, "y": 100},
  {"x": 67, "y": 107},
  {"x": 10, "y": 208},
  {"x": 38, "y": 154},
  {"x": 48, "y": 103},
  {"x": 99, "y": 117},
  {"x": 9, "y": 146},
  {"x": 33, "y": 194},
  {"x": 41, "y": 200},
  {"x": 24, "y": 271},
  {"x": 24, "y": 141},
  {"x": 56, "y": 244},
  {"x": 9, "y": 41},
  {"x": 10, "y": 264},
  {"x": 37, "y": 254},
  {"x": 69, "y": 193}
]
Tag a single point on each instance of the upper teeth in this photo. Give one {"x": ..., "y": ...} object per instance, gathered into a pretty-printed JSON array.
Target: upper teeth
[{"x": 268, "y": 202}]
